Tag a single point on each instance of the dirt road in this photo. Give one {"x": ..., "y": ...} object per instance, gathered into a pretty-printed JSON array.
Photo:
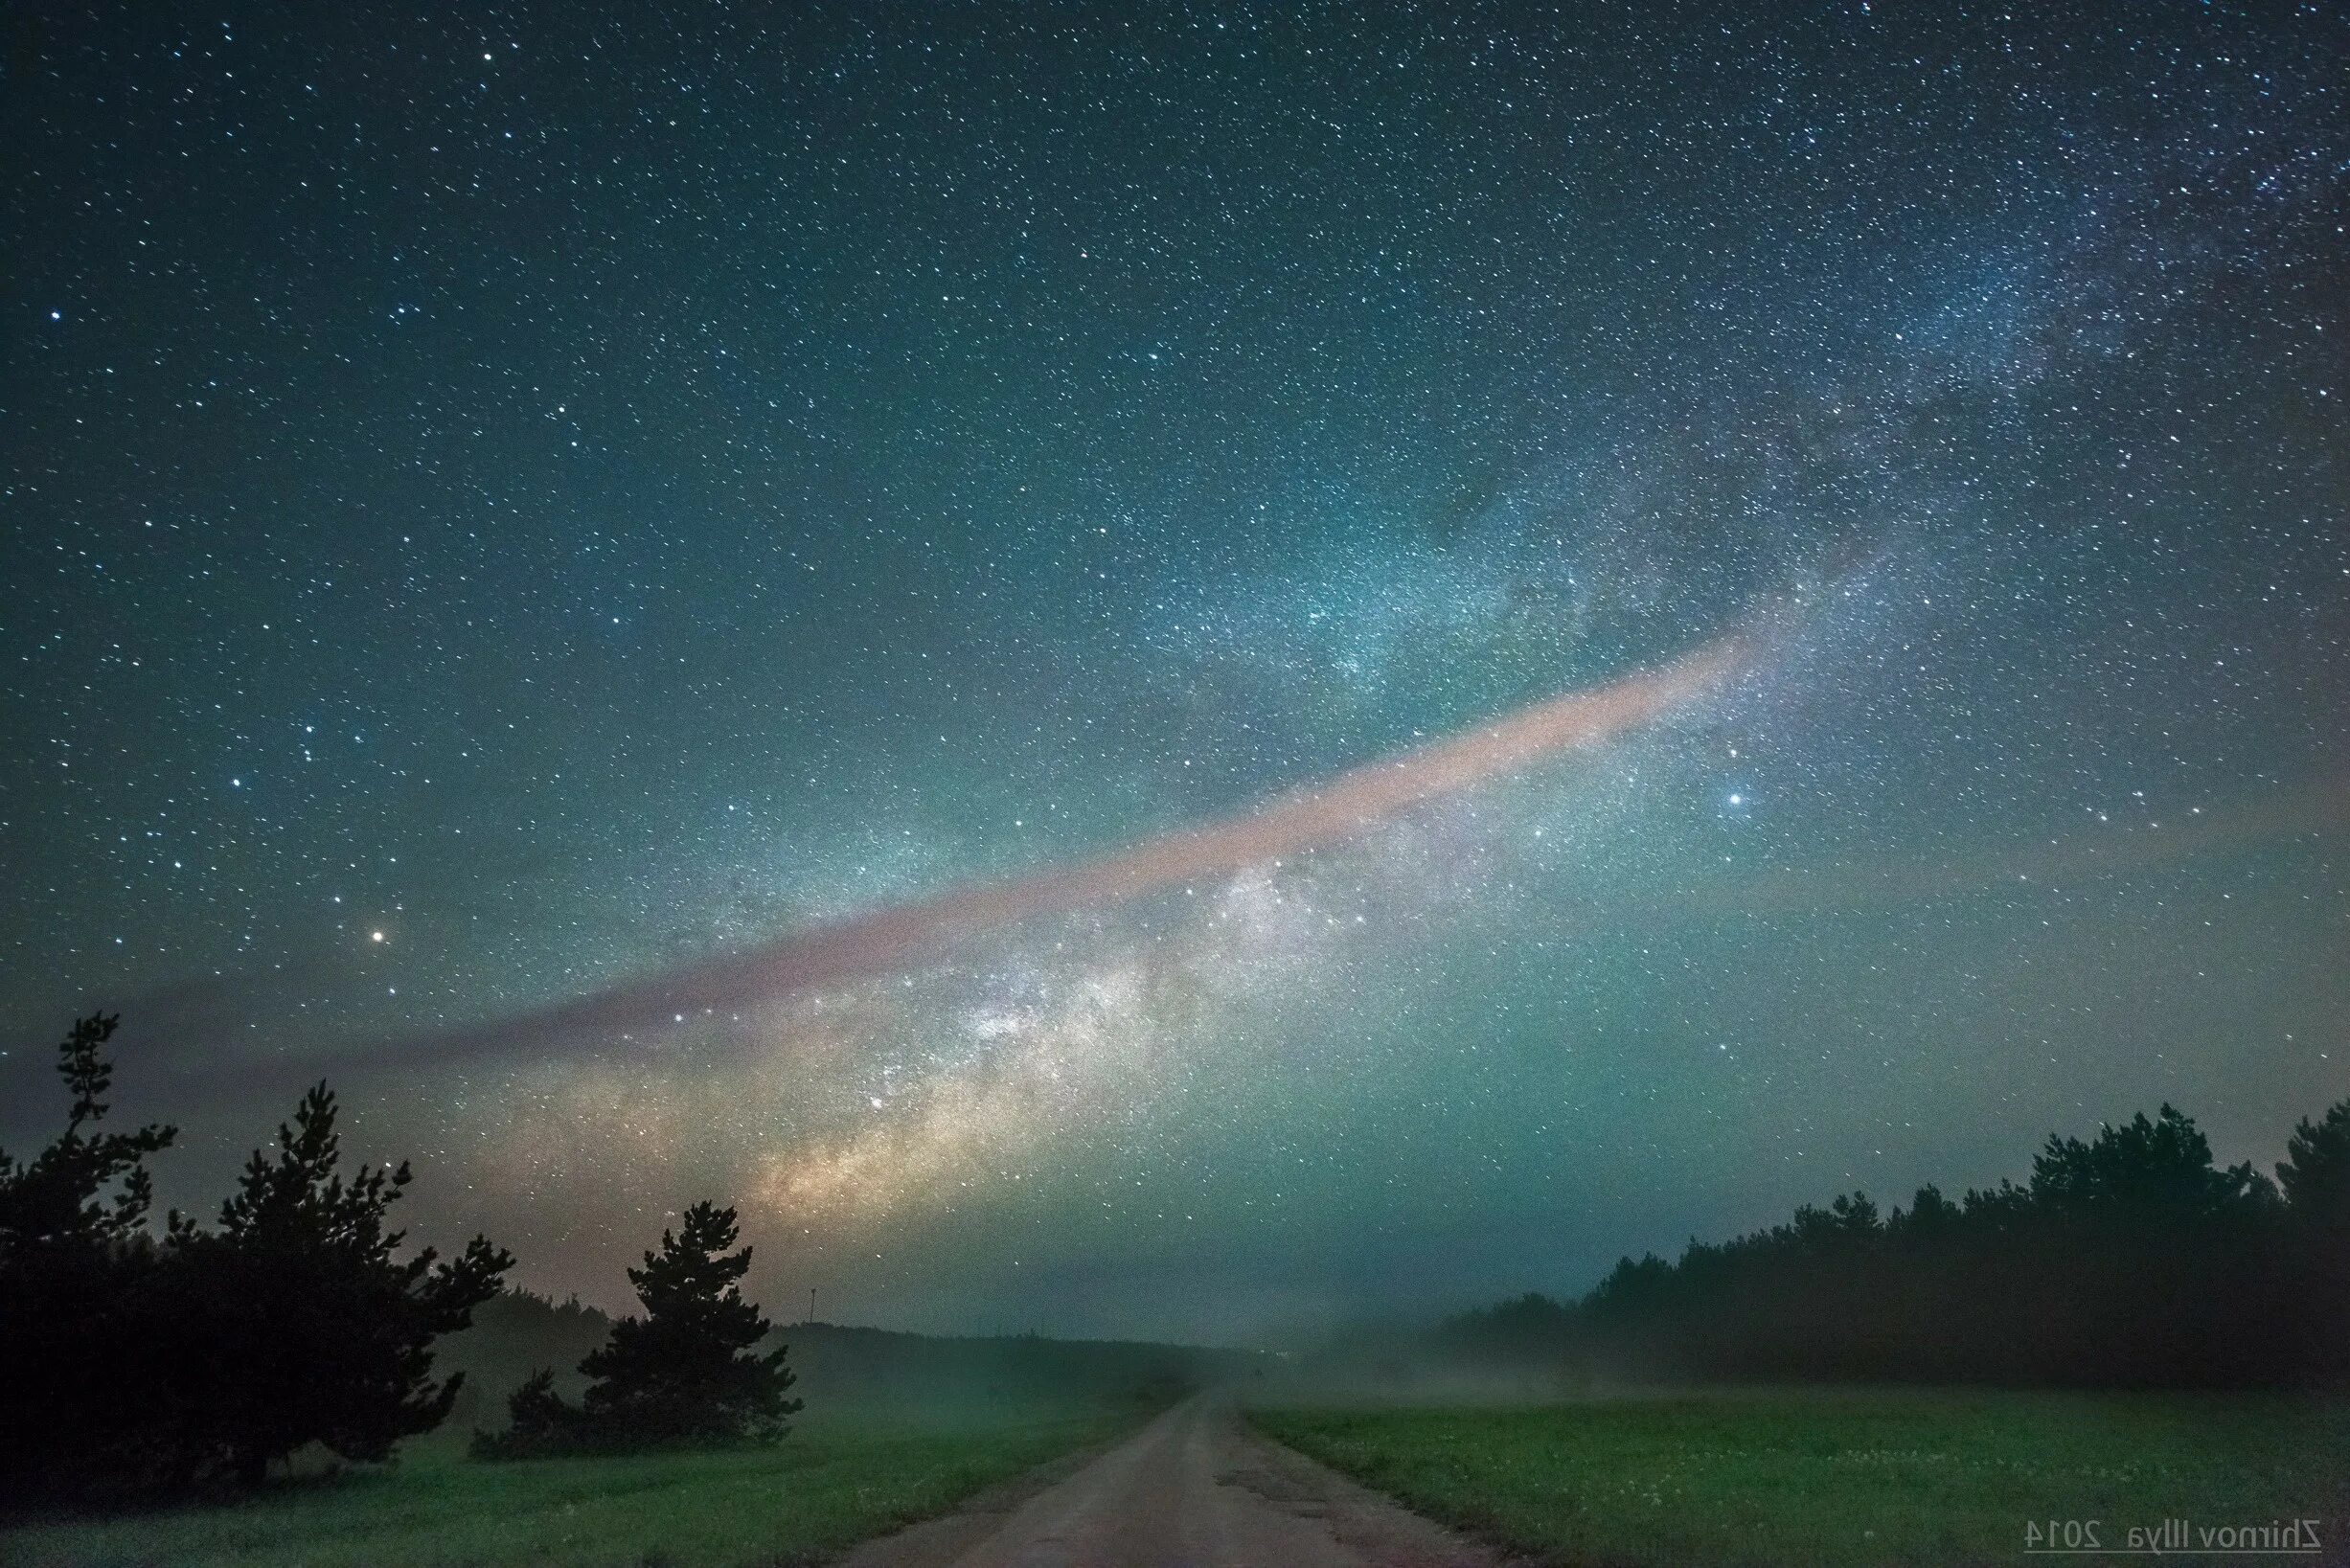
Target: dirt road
[{"x": 1195, "y": 1489}]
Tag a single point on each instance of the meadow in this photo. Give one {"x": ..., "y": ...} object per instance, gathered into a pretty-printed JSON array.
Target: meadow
[
  {"x": 1841, "y": 1478},
  {"x": 835, "y": 1480},
  {"x": 897, "y": 1427}
]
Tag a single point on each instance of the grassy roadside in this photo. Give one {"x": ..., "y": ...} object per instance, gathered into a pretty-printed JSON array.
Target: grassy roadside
[
  {"x": 1833, "y": 1478},
  {"x": 833, "y": 1482}
]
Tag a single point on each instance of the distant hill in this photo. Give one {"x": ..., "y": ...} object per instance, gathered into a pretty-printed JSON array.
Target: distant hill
[
  {"x": 513, "y": 1335},
  {"x": 839, "y": 1367}
]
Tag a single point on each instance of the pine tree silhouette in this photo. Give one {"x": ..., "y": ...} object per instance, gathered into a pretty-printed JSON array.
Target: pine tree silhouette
[
  {"x": 130, "y": 1364},
  {"x": 2315, "y": 1179},
  {"x": 72, "y": 1256},
  {"x": 2316, "y": 1172},
  {"x": 2131, "y": 1257},
  {"x": 682, "y": 1375},
  {"x": 684, "y": 1371},
  {"x": 61, "y": 1198},
  {"x": 320, "y": 1333}
]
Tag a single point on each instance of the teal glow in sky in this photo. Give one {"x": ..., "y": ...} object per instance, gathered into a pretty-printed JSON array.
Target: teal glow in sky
[{"x": 499, "y": 509}]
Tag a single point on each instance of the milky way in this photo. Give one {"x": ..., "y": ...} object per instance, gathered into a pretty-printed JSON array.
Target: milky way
[
  {"x": 950, "y": 625},
  {"x": 1300, "y": 820}
]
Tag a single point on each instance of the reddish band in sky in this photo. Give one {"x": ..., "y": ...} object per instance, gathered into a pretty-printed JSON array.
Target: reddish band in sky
[{"x": 1330, "y": 812}]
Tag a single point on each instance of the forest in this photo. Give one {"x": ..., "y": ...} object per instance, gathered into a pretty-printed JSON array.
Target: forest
[{"x": 2126, "y": 1259}]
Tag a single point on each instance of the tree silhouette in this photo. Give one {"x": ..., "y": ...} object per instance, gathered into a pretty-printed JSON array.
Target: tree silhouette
[
  {"x": 2154, "y": 1170},
  {"x": 685, "y": 1371},
  {"x": 682, "y": 1375},
  {"x": 2130, "y": 1258},
  {"x": 72, "y": 1255},
  {"x": 84, "y": 1190},
  {"x": 2315, "y": 1173},
  {"x": 2316, "y": 1179},
  {"x": 319, "y": 1332}
]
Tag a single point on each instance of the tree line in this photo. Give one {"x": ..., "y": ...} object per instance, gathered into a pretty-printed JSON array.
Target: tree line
[
  {"x": 144, "y": 1361},
  {"x": 2127, "y": 1259}
]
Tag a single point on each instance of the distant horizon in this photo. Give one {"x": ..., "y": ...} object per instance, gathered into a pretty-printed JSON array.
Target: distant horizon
[{"x": 1433, "y": 1311}]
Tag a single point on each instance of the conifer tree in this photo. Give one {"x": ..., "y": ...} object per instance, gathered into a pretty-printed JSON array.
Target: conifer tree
[
  {"x": 88, "y": 1189},
  {"x": 73, "y": 1253},
  {"x": 320, "y": 1333},
  {"x": 684, "y": 1371},
  {"x": 683, "y": 1374},
  {"x": 2315, "y": 1179}
]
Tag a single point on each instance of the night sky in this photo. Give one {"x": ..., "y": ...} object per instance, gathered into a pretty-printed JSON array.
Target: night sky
[{"x": 499, "y": 508}]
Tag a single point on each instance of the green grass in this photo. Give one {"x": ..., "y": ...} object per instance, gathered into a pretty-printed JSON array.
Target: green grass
[
  {"x": 1831, "y": 1478},
  {"x": 833, "y": 1481}
]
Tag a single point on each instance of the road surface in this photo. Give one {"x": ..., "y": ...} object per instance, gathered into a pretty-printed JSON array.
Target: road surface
[{"x": 1196, "y": 1489}]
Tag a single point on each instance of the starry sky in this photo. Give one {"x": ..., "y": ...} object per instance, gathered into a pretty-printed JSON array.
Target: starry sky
[{"x": 507, "y": 506}]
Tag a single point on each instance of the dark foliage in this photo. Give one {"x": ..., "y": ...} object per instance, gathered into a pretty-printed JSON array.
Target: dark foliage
[
  {"x": 88, "y": 1187},
  {"x": 135, "y": 1364},
  {"x": 73, "y": 1259},
  {"x": 2128, "y": 1259},
  {"x": 2316, "y": 1179},
  {"x": 328, "y": 1331},
  {"x": 681, "y": 1376}
]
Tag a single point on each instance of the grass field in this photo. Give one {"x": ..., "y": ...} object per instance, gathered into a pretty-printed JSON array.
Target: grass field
[
  {"x": 1843, "y": 1477},
  {"x": 831, "y": 1482}
]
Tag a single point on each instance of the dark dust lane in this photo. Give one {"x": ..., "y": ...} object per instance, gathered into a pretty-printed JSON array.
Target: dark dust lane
[{"x": 1196, "y": 1489}]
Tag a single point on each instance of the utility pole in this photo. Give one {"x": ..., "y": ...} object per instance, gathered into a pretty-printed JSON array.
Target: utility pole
[{"x": 811, "y": 1303}]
